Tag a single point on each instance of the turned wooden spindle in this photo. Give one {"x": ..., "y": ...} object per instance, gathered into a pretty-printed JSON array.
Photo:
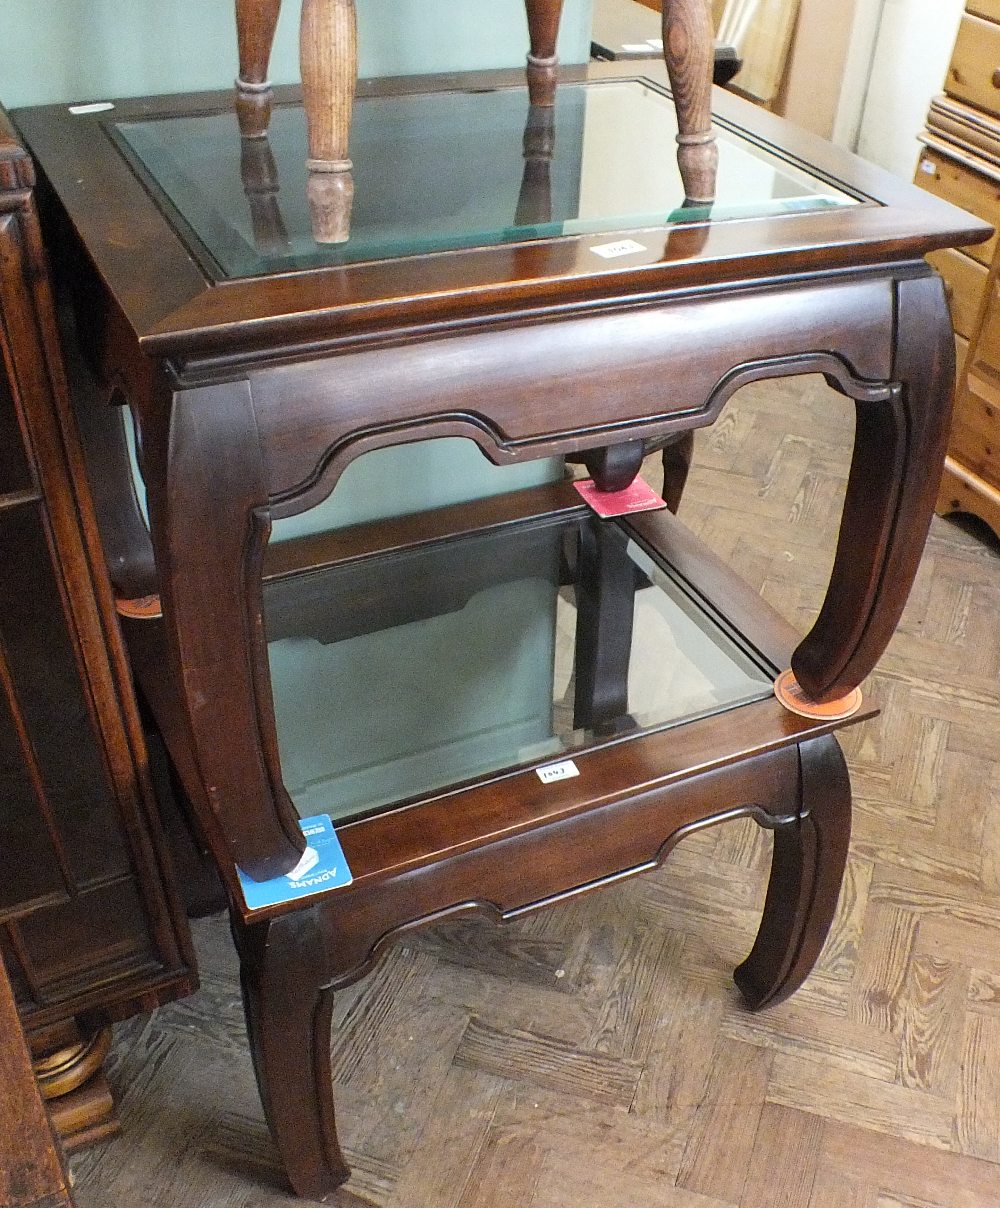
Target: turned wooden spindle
[
  {"x": 689, "y": 50},
  {"x": 262, "y": 185},
  {"x": 543, "y": 30},
  {"x": 534, "y": 203},
  {"x": 256, "y": 21},
  {"x": 329, "y": 56}
]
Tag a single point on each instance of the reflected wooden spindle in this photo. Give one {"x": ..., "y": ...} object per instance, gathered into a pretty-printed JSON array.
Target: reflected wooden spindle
[
  {"x": 534, "y": 203},
  {"x": 256, "y": 21},
  {"x": 329, "y": 56},
  {"x": 261, "y": 185},
  {"x": 543, "y": 30},
  {"x": 689, "y": 51}
]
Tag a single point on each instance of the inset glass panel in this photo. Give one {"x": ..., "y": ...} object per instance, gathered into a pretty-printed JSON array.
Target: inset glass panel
[
  {"x": 434, "y": 171},
  {"x": 402, "y": 674}
]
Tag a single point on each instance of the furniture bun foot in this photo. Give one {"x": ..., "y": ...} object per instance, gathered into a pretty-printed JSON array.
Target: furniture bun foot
[{"x": 810, "y": 853}]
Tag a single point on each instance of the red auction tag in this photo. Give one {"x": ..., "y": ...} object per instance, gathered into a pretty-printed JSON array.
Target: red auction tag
[
  {"x": 638, "y": 496},
  {"x": 789, "y": 692}
]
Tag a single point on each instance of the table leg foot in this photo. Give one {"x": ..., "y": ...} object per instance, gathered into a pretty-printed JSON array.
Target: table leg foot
[
  {"x": 614, "y": 467},
  {"x": 807, "y": 868},
  {"x": 289, "y": 1012}
]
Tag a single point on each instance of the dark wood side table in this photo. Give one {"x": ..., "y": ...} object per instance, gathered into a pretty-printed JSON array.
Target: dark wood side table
[
  {"x": 534, "y": 284},
  {"x": 91, "y": 928}
]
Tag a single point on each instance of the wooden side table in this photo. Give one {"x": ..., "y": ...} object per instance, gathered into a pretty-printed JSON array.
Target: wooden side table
[{"x": 610, "y": 317}]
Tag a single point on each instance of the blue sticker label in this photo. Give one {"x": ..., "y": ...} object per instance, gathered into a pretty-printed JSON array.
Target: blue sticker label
[{"x": 322, "y": 867}]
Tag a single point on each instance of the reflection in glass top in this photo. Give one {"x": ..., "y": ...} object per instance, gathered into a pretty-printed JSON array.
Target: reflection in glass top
[
  {"x": 403, "y": 674},
  {"x": 435, "y": 171}
]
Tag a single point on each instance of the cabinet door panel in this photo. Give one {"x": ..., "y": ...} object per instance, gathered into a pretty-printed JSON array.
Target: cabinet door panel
[
  {"x": 46, "y": 681},
  {"x": 27, "y": 853},
  {"x": 93, "y": 937},
  {"x": 14, "y": 472}
]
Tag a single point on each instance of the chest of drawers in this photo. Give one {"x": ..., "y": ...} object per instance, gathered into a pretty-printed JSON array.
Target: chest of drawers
[{"x": 960, "y": 162}]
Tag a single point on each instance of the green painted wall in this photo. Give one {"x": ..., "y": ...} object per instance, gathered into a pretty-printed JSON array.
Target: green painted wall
[{"x": 75, "y": 50}]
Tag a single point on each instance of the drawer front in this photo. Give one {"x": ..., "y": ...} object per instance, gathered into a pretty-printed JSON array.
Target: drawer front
[
  {"x": 975, "y": 429},
  {"x": 965, "y": 280},
  {"x": 961, "y": 352},
  {"x": 990, "y": 9},
  {"x": 964, "y": 188},
  {"x": 975, "y": 432},
  {"x": 974, "y": 71}
]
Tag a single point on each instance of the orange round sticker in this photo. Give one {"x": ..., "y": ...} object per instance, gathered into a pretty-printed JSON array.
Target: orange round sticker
[
  {"x": 142, "y": 608},
  {"x": 788, "y": 691}
]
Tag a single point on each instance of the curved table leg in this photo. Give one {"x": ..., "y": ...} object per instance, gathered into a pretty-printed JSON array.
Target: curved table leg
[
  {"x": 208, "y": 514},
  {"x": 899, "y": 450},
  {"x": 689, "y": 51},
  {"x": 807, "y": 868},
  {"x": 289, "y": 1013}
]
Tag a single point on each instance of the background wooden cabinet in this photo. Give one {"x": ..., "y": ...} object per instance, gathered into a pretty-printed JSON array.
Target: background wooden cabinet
[
  {"x": 90, "y": 928},
  {"x": 961, "y": 163}
]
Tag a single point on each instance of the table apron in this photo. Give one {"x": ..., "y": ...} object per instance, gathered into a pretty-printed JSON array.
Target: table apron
[{"x": 540, "y": 388}]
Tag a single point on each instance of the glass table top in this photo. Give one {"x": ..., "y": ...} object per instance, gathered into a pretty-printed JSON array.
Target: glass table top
[
  {"x": 445, "y": 170},
  {"x": 406, "y": 673}
]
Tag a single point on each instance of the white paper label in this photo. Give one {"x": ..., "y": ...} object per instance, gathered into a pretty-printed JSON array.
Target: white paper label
[
  {"x": 94, "y": 107},
  {"x": 558, "y": 771},
  {"x": 622, "y": 247},
  {"x": 927, "y": 166}
]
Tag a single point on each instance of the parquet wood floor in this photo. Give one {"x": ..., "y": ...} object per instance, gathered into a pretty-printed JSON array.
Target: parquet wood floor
[{"x": 597, "y": 1054}]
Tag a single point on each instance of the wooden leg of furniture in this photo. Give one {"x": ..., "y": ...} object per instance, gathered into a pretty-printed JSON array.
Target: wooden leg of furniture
[
  {"x": 543, "y": 31},
  {"x": 689, "y": 51},
  {"x": 68, "y": 1062},
  {"x": 613, "y": 467},
  {"x": 289, "y": 1012},
  {"x": 807, "y": 868},
  {"x": 32, "y": 1169},
  {"x": 899, "y": 446},
  {"x": 328, "y": 50},
  {"x": 605, "y": 611},
  {"x": 256, "y": 21},
  {"x": 677, "y": 455},
  {"x": 209, "y": 523}
]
